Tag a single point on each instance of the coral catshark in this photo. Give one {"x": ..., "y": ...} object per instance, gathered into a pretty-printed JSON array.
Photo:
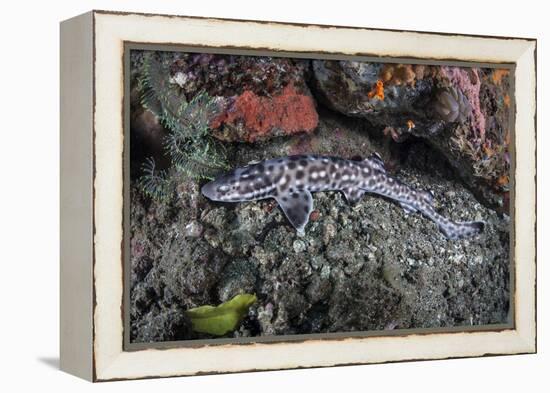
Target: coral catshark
[{"x": 291, "y": 180}]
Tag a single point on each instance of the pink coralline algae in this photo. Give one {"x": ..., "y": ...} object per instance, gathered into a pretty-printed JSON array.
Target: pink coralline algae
[
  {"x": 249, "y": 117},
  {"x": 468, "y": 81}
]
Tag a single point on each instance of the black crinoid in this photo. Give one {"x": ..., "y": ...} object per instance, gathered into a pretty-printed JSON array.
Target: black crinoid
[{"x": 189, "y": 145}]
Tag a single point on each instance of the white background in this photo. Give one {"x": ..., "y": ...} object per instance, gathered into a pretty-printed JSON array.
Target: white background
[{"x": 29, "y": 224}]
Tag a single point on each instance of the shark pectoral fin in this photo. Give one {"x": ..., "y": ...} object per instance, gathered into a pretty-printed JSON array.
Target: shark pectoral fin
[
  {"x": 408, "y": 208},
  {"x": 353, "y": 195},
  {"x": 297, "y": 206}
]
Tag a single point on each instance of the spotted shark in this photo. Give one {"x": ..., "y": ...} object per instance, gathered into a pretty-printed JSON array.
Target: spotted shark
[{"x": 292, "y": 180}]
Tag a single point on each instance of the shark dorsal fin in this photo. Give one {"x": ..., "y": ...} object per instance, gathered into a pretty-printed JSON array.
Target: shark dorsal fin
[{"x": 376, "y": 159}]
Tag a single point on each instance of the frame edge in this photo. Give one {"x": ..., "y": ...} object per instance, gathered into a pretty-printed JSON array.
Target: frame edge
[{"x": 76, "y": 176}]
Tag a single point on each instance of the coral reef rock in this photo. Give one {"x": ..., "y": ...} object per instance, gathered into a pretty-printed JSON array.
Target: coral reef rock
[
  {"x": 259, "y": 97},
  {"x": 374, "y": 91},
  {"x": 464, "y": 113}
]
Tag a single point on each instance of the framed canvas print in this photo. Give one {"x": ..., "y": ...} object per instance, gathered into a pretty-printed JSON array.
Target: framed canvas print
[{"x": 245, "y": 195}]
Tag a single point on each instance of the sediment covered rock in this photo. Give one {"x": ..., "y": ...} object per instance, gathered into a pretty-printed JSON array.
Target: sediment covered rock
[{"x": 368, "y": 266}]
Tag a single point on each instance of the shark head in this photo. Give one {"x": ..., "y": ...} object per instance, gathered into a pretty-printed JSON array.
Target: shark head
[{"x": 225, "y": 188}]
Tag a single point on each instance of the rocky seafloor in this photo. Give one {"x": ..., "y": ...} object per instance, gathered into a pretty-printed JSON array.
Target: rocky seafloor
[{"x": 367, "y": 266}]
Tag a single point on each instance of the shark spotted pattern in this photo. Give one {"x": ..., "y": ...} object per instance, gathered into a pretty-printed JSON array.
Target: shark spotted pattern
[{"x": 291, "y": 180}]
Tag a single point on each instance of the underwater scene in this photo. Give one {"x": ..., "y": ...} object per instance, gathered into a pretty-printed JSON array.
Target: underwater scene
[{"x": 276, "y": 196}]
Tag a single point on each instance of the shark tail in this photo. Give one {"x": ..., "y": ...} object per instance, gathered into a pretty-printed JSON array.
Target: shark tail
[{"x": 461, "y": 230}]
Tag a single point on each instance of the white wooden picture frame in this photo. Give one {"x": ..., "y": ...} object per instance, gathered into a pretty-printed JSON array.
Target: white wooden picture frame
[{"x": 92, "y": 147}]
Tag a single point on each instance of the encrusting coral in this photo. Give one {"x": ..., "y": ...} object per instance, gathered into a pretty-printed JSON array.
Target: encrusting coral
[
  {"x": 250, "y": 117},
  {"x": 377, "y": 91},
  {"x": 467, "y": 82},
  {"x": 483, "y": 140},
  {"x": 403, "y": 74}
]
